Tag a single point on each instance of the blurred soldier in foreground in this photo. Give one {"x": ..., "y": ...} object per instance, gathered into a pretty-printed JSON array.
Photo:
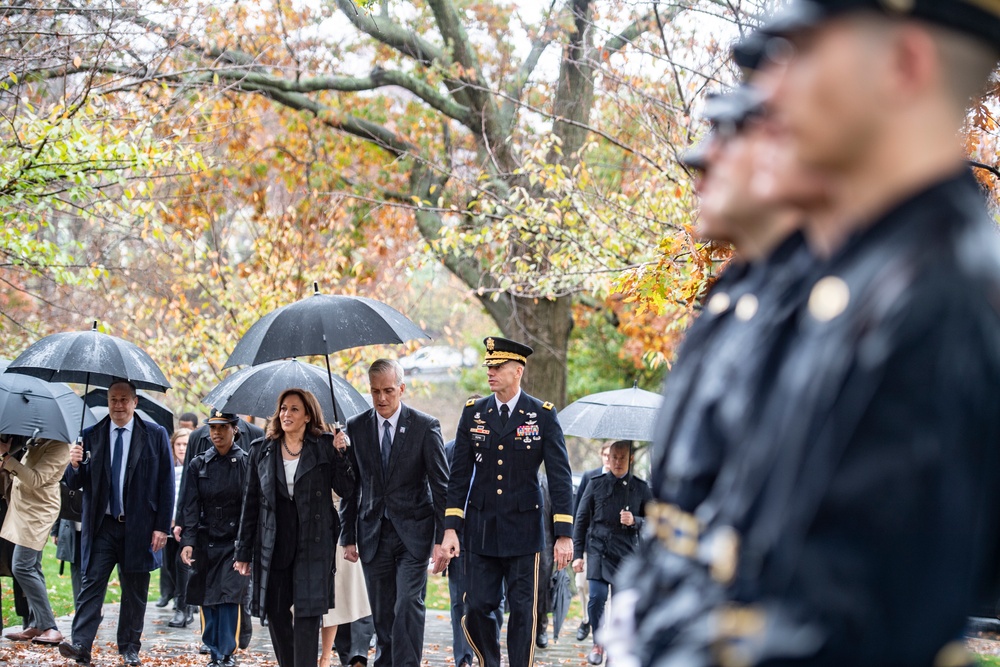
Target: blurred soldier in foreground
[{"x": 856, "y": 519}]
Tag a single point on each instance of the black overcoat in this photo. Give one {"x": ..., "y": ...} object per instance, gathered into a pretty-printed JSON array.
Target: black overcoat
[
  {"x": 211, "y": 511},
  {"x": 597, "y": 529},
  {"x": 321, "y": 468}
]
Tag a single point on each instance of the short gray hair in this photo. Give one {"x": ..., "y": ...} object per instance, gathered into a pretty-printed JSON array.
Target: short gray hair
[{"x": 380, "y": 366}]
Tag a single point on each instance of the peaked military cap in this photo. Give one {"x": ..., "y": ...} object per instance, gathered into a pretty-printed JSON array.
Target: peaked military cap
[
  {"x": 978, "y": 18},
  {"x": 501, "y": 350},
  {"x": 218, "y": 417},
  {"x": 727, "y": 112}
]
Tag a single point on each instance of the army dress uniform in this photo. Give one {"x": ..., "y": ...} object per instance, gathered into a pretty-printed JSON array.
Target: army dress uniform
[
  {"x": 858, "y": 518},
  {"x": 211, "y": 510},
  {"x": 502, "y": 522}
]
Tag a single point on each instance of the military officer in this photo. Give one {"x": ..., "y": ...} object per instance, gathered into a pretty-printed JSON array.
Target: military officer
[
  {"x": 854, "y": 521},
  {"x": 503, "y": 439}
]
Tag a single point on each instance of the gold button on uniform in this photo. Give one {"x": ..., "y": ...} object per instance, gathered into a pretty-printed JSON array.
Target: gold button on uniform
[
  {"x": 499, "y": 478},
  {"x": 500, "y": 447},
  {"x": 500, "y": 462},
  {"x": 499, "y": 492}
]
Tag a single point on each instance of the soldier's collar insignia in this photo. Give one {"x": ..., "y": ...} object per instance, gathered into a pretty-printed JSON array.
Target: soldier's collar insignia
[
  {"x": 829, "y": 298},
  {"x": 719, "y": 303},
  {"x": 746, "y": 307}
]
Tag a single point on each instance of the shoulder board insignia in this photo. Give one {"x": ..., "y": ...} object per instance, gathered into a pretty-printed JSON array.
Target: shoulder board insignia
[
  {"x": 547, "y": 406},
  {"x": 469, "y": 403}
]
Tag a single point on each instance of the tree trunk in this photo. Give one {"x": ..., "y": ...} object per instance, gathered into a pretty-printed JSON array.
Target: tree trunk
[{"x": 545, "y": 325}]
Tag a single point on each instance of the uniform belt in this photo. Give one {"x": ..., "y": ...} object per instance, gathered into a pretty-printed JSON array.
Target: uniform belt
[{"x": 683, "y": 534}]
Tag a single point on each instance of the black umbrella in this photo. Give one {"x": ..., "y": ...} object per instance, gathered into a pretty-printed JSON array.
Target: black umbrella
[
  {"x": 89, "y": 357},
  {"x": 149, "y": 408},
  {"x": 35, "y": 408},
  {"x": 322, "y": 324},
  {"x": 561, "y": 598},
  {"x": 255, "y": 390},
  {"x": 623, "y": 414}
]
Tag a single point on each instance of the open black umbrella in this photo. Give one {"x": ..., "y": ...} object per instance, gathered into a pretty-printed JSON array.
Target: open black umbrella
[
  {"x": 623, "y": 414},
  {"x": 255, "y": 390},
  {"x": 149, "y": 408},
  {"x": 89, "y": 357},
  {"x": 322, "y": 324},
  {"x": 36, "y": 408}
]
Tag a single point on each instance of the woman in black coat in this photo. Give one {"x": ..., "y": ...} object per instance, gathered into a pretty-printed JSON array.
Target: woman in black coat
[
  {"x": 607, "y": 525},
  {"x": 289, "y": 528},
  {"x": 210, "y": 512}
]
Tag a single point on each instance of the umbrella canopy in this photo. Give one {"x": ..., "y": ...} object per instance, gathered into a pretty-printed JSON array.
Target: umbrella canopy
[
  {"x": 149, "y": 408},
  {"x": 33, "y": 407},
  {"x": 89, "y": 357},
  {"x": 255, "y": 390},
  {"x": 322, "y": 324},
  {"x": 623, "y": 414}
]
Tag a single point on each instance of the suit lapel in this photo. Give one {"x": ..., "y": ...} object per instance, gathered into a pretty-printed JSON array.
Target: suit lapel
[
  {"x": 399, "y": 437},
  {"x": 134, "y": 449}
]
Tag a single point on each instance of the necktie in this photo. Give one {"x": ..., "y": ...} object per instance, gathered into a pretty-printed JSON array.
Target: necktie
[
  {"x": 386, "y": 446},
  {"x": 504, "y": 414},
  {"x": 116, "y": 471}
]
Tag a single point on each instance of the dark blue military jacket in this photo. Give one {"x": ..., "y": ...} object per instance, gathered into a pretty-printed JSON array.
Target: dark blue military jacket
[
  {"x": 504, "y": 514},
  {"x": 865, "y": 499}
]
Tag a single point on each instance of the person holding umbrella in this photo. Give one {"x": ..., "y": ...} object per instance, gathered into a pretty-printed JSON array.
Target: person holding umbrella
[
  {"x": 606, "y": 528},
  {"x": 128, "y": 499},
  {"x": 289, "y": 525},
  {"x": 211, "y": 510},
  {"x": 34, "y": 507}
]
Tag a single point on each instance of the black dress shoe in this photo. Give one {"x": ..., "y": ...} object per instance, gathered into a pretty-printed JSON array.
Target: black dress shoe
[
  {"x": 131, "y": 657},
  {"x": 583, "y": 631},
  {"x": 189, "y": 615},
  {"x": 228, "y": 661},
  {"x": 180, "y": 619},
  {"x": 163, "y": 602},
  {"x": 204, "y": 650},
  {"x": 542, "y": 639},
  {"x": 75, "y": 652}
]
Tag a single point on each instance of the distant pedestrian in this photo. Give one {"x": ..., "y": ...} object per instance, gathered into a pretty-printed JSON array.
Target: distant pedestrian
[
  {"x": 581, "y": 577},
  {"x": 289, "y": 527},
  {"x": 34, "y": 507},
  {"x": 606, "y": 529},
  {"x": 174, "y": 574}
]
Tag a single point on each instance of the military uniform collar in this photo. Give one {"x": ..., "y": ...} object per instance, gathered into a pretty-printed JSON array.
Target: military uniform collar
[
  {"x": 511, "y": 404},
  {"x": 212, "y": 452}
]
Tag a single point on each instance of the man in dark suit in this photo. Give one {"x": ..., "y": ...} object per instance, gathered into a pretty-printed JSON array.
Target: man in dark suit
[
  {"x": 581, "y": 577},
  {"x": 128, "y": 499},
  {"x": 394, "y": 521},
  {"x": 503, "y": 439}
]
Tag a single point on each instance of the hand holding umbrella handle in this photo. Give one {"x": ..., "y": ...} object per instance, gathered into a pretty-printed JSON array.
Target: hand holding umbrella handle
[{"x": 77, "y": 456}]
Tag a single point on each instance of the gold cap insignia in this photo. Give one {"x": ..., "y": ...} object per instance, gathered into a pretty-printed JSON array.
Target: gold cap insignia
[
  {"x": 218, "y": 413},
  {"x": 490, "y": 345}
]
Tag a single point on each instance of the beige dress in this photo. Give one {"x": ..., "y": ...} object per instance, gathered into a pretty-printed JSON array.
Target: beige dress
[{"x": 349, "y": 591}]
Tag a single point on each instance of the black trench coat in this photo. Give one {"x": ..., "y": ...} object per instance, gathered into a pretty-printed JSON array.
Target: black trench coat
[
  {"x": 320, "y": 469},
  {"x": 211, "y": 514},
  {"x": 598, "y": 529}
]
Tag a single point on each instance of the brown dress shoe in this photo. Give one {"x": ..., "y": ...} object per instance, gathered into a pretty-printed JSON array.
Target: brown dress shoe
[
  {"x": 24, "y": 636},
  {"x": 52, "y": 637}
]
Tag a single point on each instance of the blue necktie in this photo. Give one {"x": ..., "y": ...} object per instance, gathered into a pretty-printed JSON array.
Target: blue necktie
[
  {"x": 504, "y": 414},
  {"x": 386, "y": 446},
  {"x": 116, "y": 471}
]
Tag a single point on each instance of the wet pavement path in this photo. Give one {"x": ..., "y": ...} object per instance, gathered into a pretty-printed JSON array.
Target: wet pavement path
[{"x": 178, "y": 647}]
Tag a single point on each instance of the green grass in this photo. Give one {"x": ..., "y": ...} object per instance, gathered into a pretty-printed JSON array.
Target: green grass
[
  {"x": 438, "y": 598},
  {"x": 61, "y": 589},
  {"x": 988, "y": 661}
]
